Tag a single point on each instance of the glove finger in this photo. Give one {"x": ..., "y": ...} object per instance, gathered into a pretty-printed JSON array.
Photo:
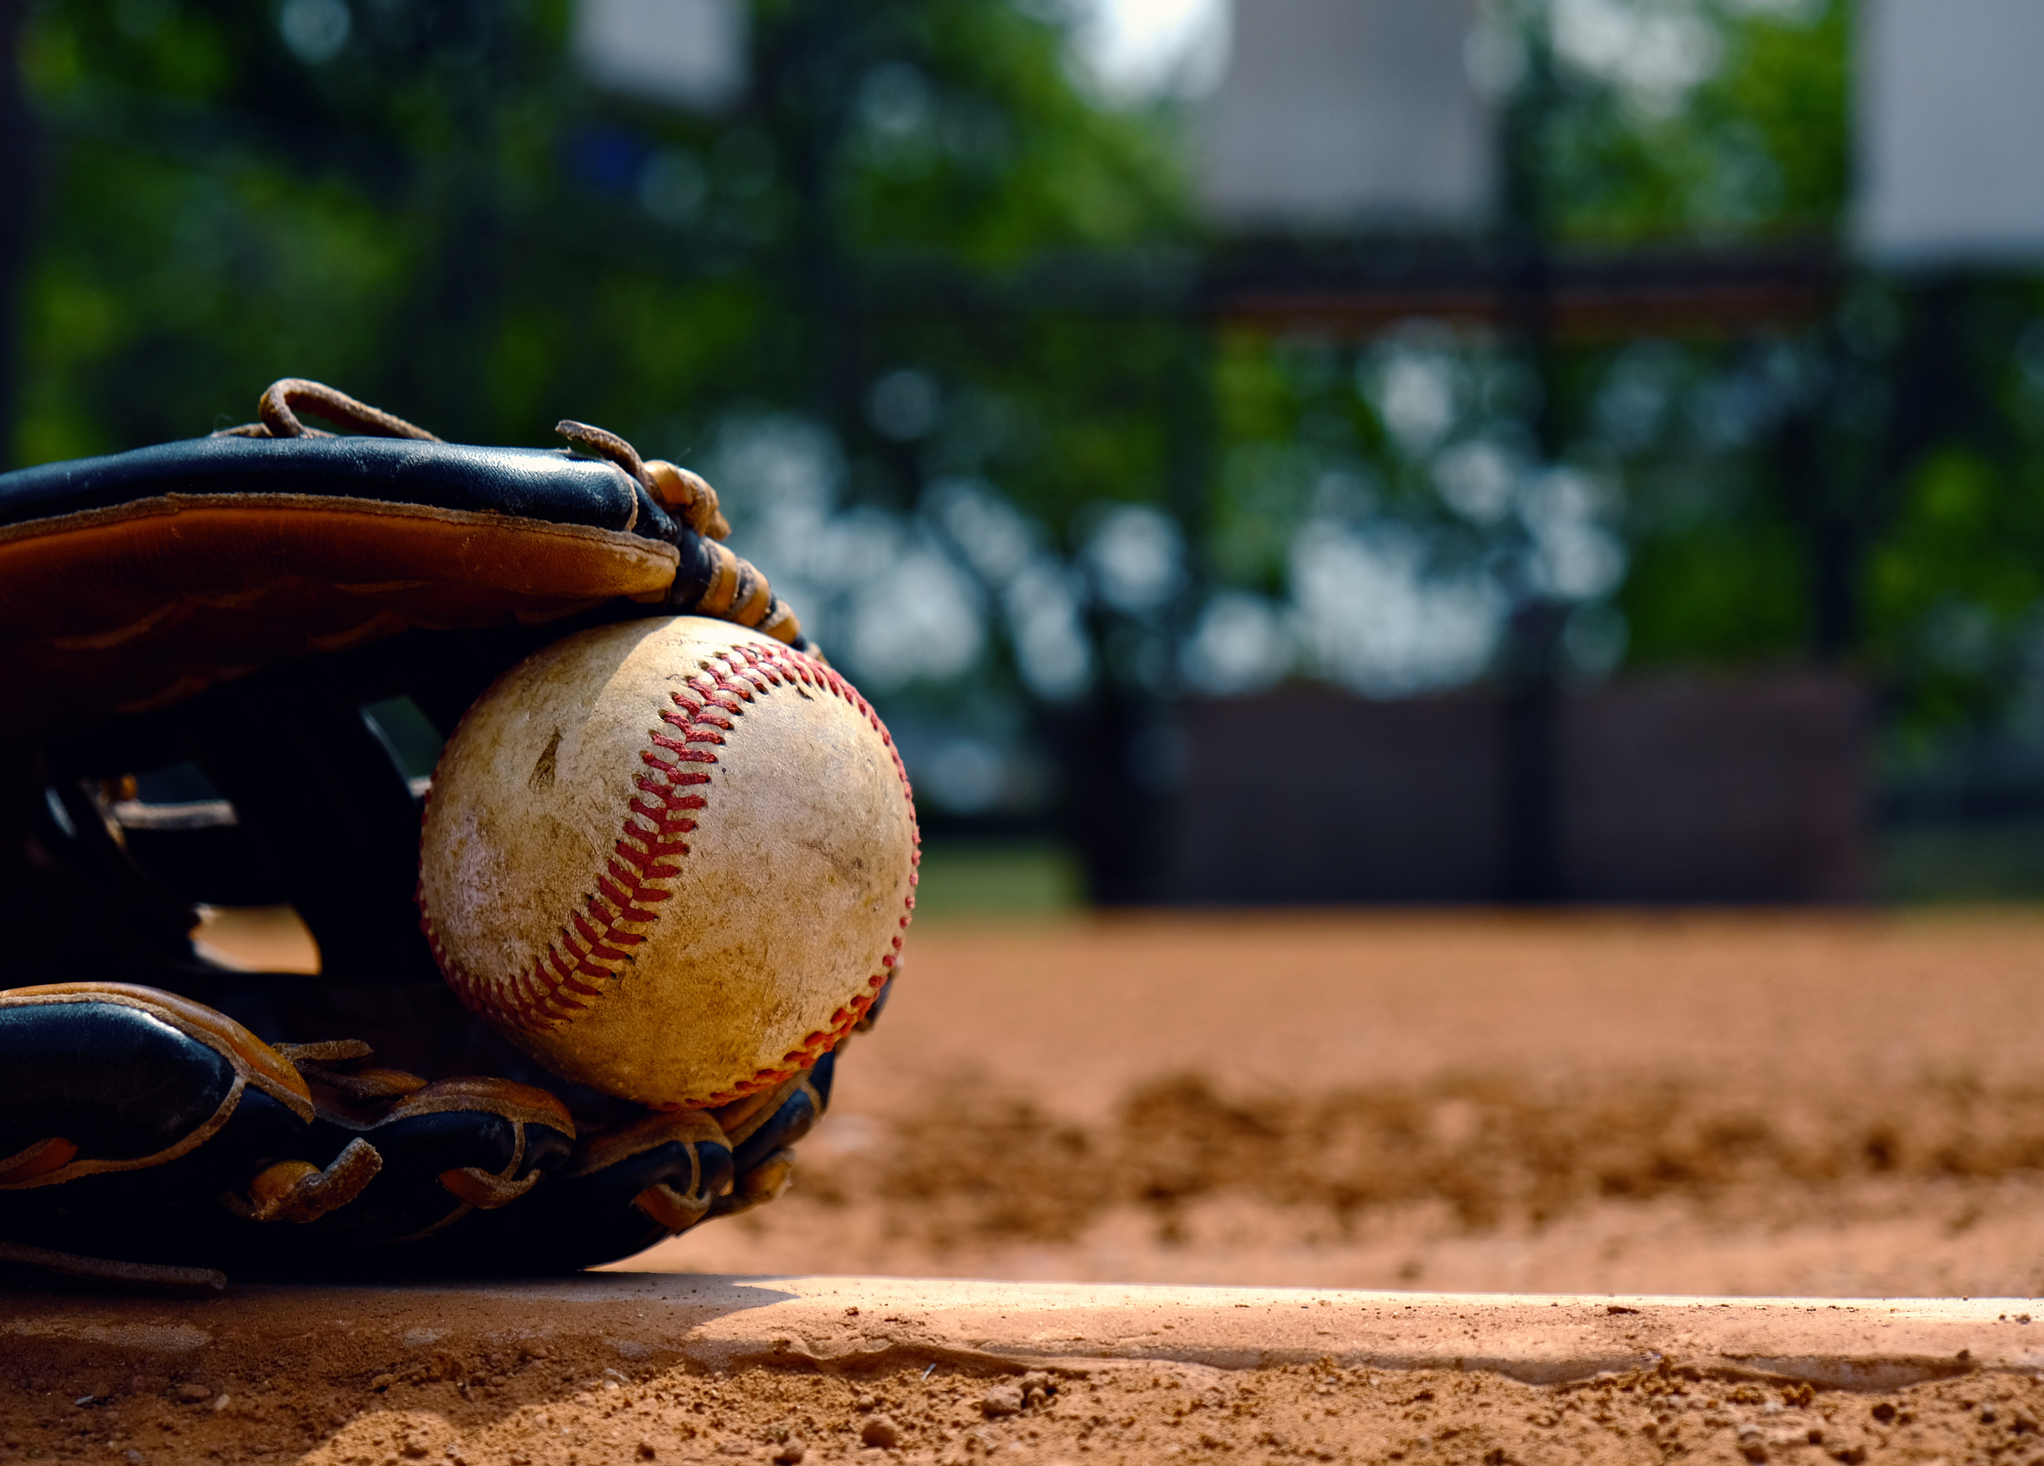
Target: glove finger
[
  {"x": 98, "y": 1078},
  {"x": 444, "y": 1151},
  {"x": 778, "y": 1118},
  {"x": 768, "y": 1178},
  {"x": 628, "y": 1187},
  {"x": 666, "y": 1167},
  {"x": 120, "y": 1102},
  {"x": 763, "y": 1127}
]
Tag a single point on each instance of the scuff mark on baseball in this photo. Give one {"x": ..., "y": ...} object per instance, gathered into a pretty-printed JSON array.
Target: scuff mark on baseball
[{"x": 672, "y": 859}]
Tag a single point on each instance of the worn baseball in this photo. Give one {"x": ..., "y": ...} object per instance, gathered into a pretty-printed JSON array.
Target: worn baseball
[{"x": 671, "y": 859}]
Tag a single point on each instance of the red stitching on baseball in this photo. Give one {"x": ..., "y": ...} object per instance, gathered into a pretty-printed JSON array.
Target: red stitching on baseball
[{"x": 549, "y": 993}]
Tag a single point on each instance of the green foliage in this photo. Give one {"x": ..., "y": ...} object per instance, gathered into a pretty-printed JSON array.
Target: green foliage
[
  {"x": 1757, "y": 148},
  {"x": 1723, "y": 591},
  {"x": 965, "y": 139},
  {"x": 443, "y": 217},
  {"x": 130, "y": 342},
  {"x": 1955, "y": 589}
]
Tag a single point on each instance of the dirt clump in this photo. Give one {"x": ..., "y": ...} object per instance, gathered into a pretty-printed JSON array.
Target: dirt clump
[
  {"x": 1185, "y": 1182},
  {"x": 1485, "y": 1150},
  {"x": 1655, "y": 1103}
]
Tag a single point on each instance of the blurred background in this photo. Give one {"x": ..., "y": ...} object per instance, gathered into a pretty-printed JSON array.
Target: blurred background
[{"x": 1279, "y": 451}]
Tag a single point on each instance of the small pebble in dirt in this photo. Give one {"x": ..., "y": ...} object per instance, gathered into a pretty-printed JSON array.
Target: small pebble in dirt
[
  {"x": 383, "y": 1382},
  {"x": 193, "y": 1394},
  {"x": 790, "y": 1454},
  {"x": 647, "y": 1451},
  {"x": 1004, "y": 1399},
  {"x": 882, "y": 1432},
  {"x": 864, "y": 1402}
]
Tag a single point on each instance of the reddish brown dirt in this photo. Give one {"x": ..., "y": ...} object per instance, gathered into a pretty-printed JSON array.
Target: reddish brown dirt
[
  {"x": 1816, "y": 1105},
  {"x": 1830, "y": 1105},
  {"x": 573, "y": 1411}
]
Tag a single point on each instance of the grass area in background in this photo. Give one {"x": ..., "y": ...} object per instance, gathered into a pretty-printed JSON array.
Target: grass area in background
[
  {"x": 973, "y": 877},
  {"x": 964, "y": 878},
  {"x": 1971, "y": 863},
  {"x": 1920, "y": 865}
]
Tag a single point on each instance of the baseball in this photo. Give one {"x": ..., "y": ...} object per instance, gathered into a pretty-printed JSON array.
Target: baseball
[{"x": 671, "y": 859}]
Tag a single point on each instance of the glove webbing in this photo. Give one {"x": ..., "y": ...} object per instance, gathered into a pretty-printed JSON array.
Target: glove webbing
[{"x": 718, "y": 583}]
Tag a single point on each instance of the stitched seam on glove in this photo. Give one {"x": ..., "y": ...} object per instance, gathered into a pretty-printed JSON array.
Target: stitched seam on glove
[
  {"x": 159, "y": 506},
  {"x": 562, "y": 982}
]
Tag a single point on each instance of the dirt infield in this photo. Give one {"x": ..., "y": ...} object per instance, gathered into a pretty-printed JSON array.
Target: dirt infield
[
  {"x": 1776, "y": 1104},
  {"x": 538, "y": 1414},
  {"x": 1607, "y": 1104},
  {"x": 630, "y": 1369}
]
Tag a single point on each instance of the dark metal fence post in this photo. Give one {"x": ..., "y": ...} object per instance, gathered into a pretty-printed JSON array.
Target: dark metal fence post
[
  {"x": 17, "y": 211},
  {"x": 1531, "y": 813}
]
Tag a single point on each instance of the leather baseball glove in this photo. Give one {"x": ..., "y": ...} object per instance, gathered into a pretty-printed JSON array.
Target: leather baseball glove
[{"x": 234, "y": 603}]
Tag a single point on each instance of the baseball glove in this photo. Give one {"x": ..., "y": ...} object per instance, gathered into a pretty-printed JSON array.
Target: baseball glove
[{"x": 232, "y": 604}]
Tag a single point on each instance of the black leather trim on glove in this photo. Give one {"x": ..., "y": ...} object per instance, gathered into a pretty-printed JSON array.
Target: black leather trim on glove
[{"x": 547, "y": 484}]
